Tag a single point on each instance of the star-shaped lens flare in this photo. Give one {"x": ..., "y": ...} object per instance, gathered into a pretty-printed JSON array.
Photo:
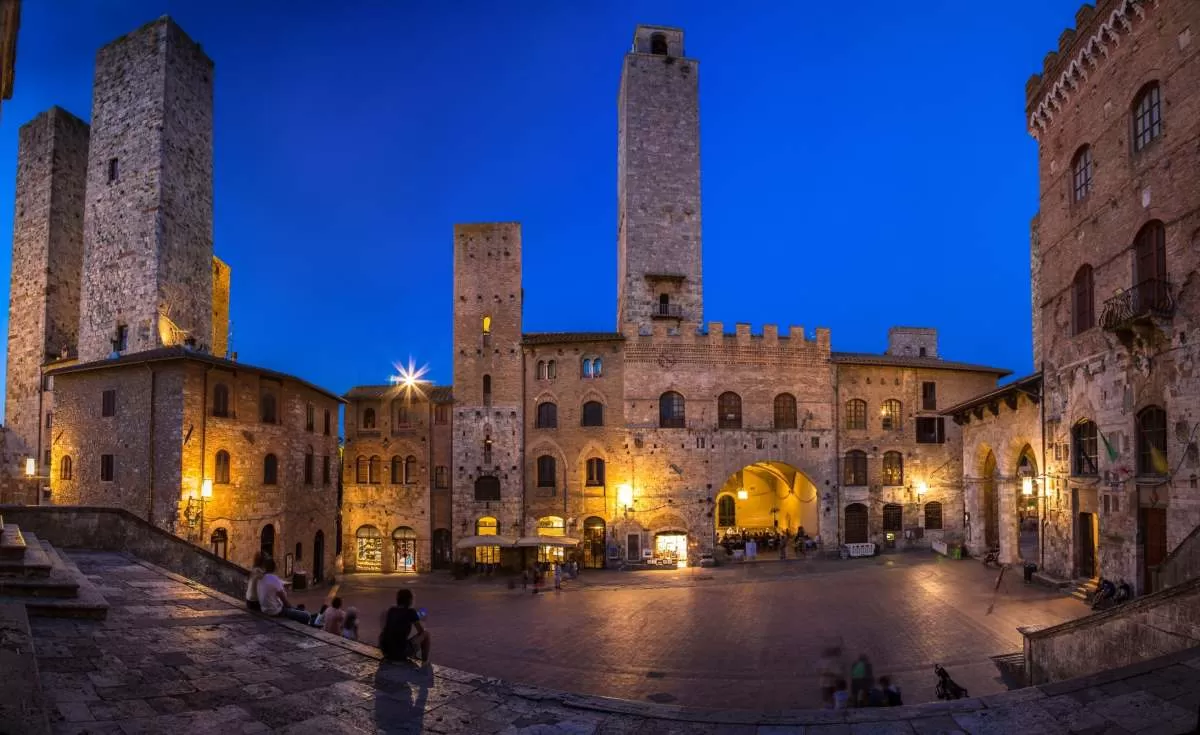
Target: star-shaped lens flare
[{"x": 409, "y": 379}]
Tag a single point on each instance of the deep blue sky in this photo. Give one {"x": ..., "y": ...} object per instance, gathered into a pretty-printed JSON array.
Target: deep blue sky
[{"x": 863, "y": 166}]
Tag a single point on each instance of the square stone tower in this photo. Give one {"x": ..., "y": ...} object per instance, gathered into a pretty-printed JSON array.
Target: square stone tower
[
  {"x": 148, "y": 223},
  {"x": 488, "y": 377},
  {"x": 658, "y": 185},
  {"x": 47, "y": 257}
]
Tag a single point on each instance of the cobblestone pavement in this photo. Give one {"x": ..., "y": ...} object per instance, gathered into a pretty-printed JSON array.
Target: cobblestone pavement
[
  {"x": 175, "y": 657},
  {"x": 743, "y": 637}
]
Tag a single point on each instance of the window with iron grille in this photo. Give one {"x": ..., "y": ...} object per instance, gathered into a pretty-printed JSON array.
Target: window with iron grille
[
  {"x": 891, "y": 415},
  {"x": 893, "y": 517},
  {"x": 729, "y": 411},
  {"x": 893, "y": 468},
  {"x": 1147, "y": 116},
  {"x": 1086, "y": 453},
  {"x": 933, "y": 516},
  {"x": 854, "y": 468},
  {"x": 1081, "y": 174},
  {"x": 671, "y": 411},
  {"x": 785, "y": 411},
  {"x": 856, "y": 414}
]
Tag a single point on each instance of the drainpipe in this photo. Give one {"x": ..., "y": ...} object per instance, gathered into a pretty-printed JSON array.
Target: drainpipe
[{"x": 150, "y": 448}]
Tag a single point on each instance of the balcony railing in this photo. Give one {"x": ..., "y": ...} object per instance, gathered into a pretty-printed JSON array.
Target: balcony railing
[
  {"x": 1152, "y": 298},
  {"x": 667, "y": 311}
]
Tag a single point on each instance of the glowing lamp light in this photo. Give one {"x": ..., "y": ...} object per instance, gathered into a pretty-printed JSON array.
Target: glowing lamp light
[
  {"x": 30, "y": 466},
  {"x": 743, "y": 495},
  {"x": 922, "y": 488},
  {"x": 625, "y": 495},
  {"x": 206, "y": 488},
  {"x": 1027, "y": 486}
]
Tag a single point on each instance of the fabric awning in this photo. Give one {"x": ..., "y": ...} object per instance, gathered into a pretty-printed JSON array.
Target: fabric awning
[
  {"x": 528, "y": 541},
  {"x": 474, "y": 542}
]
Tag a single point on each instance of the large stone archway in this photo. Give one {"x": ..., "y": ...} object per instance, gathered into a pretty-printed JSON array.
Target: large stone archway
[{"x": 766, "y": 498}]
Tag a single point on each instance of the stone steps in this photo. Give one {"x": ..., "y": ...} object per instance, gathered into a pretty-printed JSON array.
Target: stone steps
[
  {"x": 47, "y": 583},
  {"x": 87, "y": 603},
  {"x": 34, "y": 562},
  {"x": 1085, "y": 588},
  {"x": 58, "y": 580},
  {"x": 22, "y": 703},
  {"x": 12, "y": 542}
]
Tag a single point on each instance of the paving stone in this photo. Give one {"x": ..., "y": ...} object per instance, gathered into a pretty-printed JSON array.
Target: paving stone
[{"x": 1136, "y": 710}]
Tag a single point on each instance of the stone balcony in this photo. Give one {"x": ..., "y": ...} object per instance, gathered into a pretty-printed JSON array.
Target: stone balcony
[{"x": 1144, "y": 304}]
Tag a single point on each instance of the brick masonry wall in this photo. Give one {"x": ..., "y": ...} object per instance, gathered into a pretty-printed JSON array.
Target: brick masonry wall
[
  {"x": 1102, "y": 375},
  {"x": 221, "y": 276},
  {"x": 442, "y": 498},
  {"x": 148, "y": 232},
  {"x": 47, "y": 255},
  {"x": 487, "y": 282},
  {"x": 658, "y": 180}
]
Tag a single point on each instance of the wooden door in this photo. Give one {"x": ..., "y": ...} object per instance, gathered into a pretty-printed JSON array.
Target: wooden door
[
  {"x": 1087, "y": 546},
  {"x": 1153, "y": 523},
  {"x": 856, "y": 523}
]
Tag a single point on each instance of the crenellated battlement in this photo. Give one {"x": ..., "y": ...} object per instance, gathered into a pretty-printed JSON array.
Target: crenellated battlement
[
  {"x": 716, "y": 334},
  {"x": 1080, "y": 50}
]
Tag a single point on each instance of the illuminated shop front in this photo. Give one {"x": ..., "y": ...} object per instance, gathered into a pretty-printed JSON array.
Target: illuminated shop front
[
  {"x": 404, "y": 549},
  {"x": 552, "y": 526},
  {"x": 671, "y": 547},
  {"x": 487, "y": 526},
  {"x": 368, "y": 549}
]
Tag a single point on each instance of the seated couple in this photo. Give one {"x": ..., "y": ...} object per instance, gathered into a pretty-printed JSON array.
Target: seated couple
[{"x": 272, "y": 596}]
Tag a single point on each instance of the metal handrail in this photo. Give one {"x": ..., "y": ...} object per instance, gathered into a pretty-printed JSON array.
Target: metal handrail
[{"x": 1151, "y": 297}]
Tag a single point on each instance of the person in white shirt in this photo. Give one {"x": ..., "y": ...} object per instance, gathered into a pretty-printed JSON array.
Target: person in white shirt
[{"x": 273, "y": 597}]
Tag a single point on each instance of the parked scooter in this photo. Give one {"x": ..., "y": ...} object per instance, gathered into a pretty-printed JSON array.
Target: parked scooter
[
  {"x": 1110, "y": 594},
  {"x": 947, "y": 688}
]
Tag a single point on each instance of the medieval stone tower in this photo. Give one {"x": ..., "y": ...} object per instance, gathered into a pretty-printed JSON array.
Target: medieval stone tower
[
  {"x": 148, "y": 220},
  {"x": 47, "y": 256},
  {"x": 488, "y": 375},
  {"x": 658, "y": 185}
]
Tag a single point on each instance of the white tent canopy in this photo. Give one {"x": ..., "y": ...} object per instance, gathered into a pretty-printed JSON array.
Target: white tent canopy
[
  {"x": 527, "y": 541},
  {"x": 474, "y": 542}
]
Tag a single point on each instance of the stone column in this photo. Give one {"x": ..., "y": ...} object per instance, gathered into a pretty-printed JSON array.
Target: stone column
[{"x": 1010, "y": 534}]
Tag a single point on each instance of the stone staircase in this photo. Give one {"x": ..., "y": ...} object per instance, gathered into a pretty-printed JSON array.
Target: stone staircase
[
  {"x": 36, "y": 575},
  {"x": 1084, "y": 588}
]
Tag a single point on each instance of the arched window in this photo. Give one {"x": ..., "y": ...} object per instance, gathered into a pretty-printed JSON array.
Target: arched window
[
  {"x": 597, "y": 367},
  {"x": 220, "y": 405},
  {"x": 595, "y": 472},
  {"x": 1147, "y": 116},
  {"x": 541, "y": 370},
  {"x": 266, "y": 541},
  {"x": 856, "y": 414},
  {"x": 397, "y": 470},
  {"x": 487, "y": 451},
  {"x": 671, "y": 411},
  {"x": 487, "y": 488},
  {"x": 893, "y": 468},
  {"x": 547, "y": 416},
  {"x": 729, "y": 411},
  {"x": 220, "y": 543},
  {"x": 1152, "y": 441},
  {"x": 854, "y": 468},
  {"x": 487, "y": 331},
  {"x": 410, "y": 470},
  {"x": 360, "y": 470},
  {"x": 1084, "y": 312},
  {"x": 487, "y": 390},
  {"x": 546, "y": 471},
  {"x": 726, "y": 511},
  {"x": 368, "y": 418},
  {"x": 593, "y": 413},
  {"x": 658, "y": 44},
  {"x": 65, "y": 468},
  {"x": 309, "y": 466},
  {"x": 893, "y": 517},
  {"x": 1085, "y": 451},
  {"x": 270, "y": 470},
  {"x": 375, "y": 471},
  {"x": 785, "y": 411},
  {"x": 933, "y": 516},
  {"x": 221, "y": 468},
  {"x": 552, "y": 369},
  {"x": 1151, "y": 292},
  {"x": 1081, "y": 174},
  {"x": 487, "y": 526},
  {"x": 891, "y": 415},
  {"x": 269, "y": 413}
]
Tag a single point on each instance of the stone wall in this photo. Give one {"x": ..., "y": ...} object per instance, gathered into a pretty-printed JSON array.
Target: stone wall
[
  {"x": 912, "y": 341},
  {"x": 658, "y": 185},
  {"x": 47, "y": 256},
  {"x": 1139, "y": 630},
  {"x": 221, "y": 275},
  {"x": 116, "y": 529},
  {"x": 148, "y": 222},
  {"x": 1112, "y": 371}
]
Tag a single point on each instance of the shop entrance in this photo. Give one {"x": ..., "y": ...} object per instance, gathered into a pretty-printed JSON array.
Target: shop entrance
[
  {"x": 593, "y": 543},
  {"x": 670, "y": 548},
  {"x": 442, "y": 550},
  {"x": 368, "y": 555},
  {"x": 404, "y": 549}
]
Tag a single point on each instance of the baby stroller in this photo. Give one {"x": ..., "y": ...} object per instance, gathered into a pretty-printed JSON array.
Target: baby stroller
[{"x": 946, "y": 687}]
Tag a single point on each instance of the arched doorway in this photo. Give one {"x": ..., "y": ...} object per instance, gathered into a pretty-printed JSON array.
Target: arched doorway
[
  {"x": 220, "y": 543},
  {"x": 267, "y": 541},
  {"x": 856, "y": 523},
  {"x": 319, "y": 557},
  {"x": 1027, "y": 504},
  {"x": 593, "y": 543},
  {"x": 443, "y": 552},
  {"x": 991, "y": 503},
  {"x": 368, "y": 549},
  {"x": 404, "y": 549},
  {"x": 768, "y": 502}
]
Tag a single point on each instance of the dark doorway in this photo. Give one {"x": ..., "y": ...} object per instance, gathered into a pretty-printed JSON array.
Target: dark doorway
[
  {"x": 267, "y": 542},
  {"x": 319, "y": 557},
  {"x": 593, "y": 543},
  {"x": 856, "y": 523},
  {"x": 633, "y": 547},
  {"x": 220, "y": 543},
  {"x": 991, "y": 504},
  {"x": 442, "y": 551},
  {"x": 1087, "y": 545},
  {"x": 1153, "y": 523}
]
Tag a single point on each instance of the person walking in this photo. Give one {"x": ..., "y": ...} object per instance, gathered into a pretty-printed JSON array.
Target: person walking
[
  {"x": 860, "y": 680},
  {"x": 557, "y": 577}
]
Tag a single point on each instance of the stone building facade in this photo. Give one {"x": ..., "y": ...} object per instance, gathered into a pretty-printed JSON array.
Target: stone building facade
[
  {"x": 1114, "y": 254},
  {"x": 145, "y": 431},
  {"x": 656, "y": 440}
]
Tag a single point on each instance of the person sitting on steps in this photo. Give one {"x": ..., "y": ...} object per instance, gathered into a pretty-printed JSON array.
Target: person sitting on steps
[{"x": 395, "y": 641}]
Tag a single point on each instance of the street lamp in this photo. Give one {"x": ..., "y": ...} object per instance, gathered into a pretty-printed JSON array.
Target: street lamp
[
  {"x": 1027, "y": 486},
  {"x": 194, "y": 513},
  {"x": 625, "y": 498}
]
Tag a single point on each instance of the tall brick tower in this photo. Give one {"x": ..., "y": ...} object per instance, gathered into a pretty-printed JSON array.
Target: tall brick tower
[
  {"x": 488, "y": 376},
  {"x": 658, "y": 184},
  {"x": 148, "y": 224},
  {"x": 47, "y": 256}
]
